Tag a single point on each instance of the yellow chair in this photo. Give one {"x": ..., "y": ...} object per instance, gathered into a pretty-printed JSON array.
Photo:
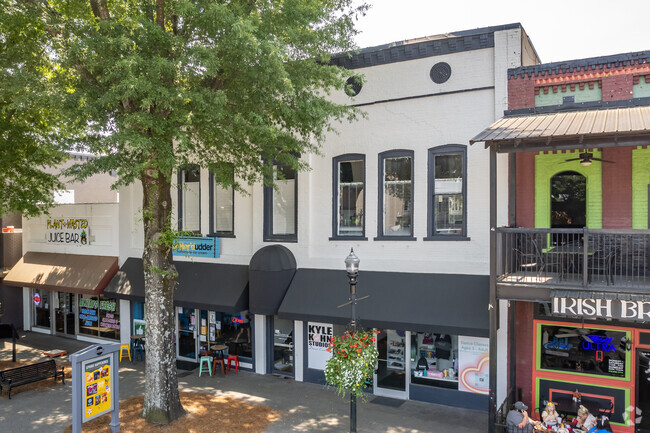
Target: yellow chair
[{"x": 128, "y": 350}]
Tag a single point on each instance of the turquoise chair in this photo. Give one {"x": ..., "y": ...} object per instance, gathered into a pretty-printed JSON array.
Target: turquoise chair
[{"x": 205, "y": 359}]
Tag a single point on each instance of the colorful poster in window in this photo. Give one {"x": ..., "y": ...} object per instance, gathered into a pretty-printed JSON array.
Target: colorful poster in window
[
  {"x": 138, "y": 326},
  {"x": 473, "y": 364},
  {"x": 97, "y": 385},
  {"x": 318, "y": 340}
]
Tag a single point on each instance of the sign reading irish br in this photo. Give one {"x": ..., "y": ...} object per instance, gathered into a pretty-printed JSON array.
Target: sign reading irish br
[
  {"x": 602, "y": 308},
  {"x": 68, "y": 231}
]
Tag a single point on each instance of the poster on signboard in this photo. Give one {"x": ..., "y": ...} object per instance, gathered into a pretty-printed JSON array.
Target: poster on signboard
[
  {"x": 473, "y": 364},
  {"x": 318, "y": 340},
  {"x": 96, "y": 386}
]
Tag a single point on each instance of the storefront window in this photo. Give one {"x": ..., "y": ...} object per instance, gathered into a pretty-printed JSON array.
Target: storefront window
[
  {"x": 41, "y": 308},
  {"x": 434, "y": 359},
  {"x": 590, "y": 351},
  {"x": 99, "y": 316},
  {"x": 231, "y": 330}
]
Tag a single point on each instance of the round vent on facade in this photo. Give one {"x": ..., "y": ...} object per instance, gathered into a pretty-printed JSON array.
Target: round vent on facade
[
  {"x": 353, "y": 86},
  {"x": 440, "y": 72}
]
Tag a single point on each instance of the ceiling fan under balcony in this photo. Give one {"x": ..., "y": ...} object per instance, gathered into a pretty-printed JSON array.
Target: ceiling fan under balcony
[
  {"x": 586, "y": 158},
  {"x": 575, "y": 332}
]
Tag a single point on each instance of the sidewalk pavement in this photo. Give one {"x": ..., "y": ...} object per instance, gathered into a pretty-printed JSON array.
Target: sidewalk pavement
[{"x": 306, "y": 407}]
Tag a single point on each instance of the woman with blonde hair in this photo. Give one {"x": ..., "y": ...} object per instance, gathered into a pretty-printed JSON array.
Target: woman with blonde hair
[
  {"x": 550, "y": 415},
  {"x": 585, "y": 420}
]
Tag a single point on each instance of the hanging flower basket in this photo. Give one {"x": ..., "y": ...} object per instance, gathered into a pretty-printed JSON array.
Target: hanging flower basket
[{"x": 353, "y": 362}]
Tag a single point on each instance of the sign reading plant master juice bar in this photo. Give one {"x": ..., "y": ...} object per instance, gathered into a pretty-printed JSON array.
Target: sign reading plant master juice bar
[
  {"x": 190, "y": 246},
  {"x": 68, "y": 231}
]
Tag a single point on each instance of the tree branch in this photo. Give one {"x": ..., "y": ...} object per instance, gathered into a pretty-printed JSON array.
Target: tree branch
[
  {"x": 160, "y": 13},
  {"x": 100, "y": 9}
]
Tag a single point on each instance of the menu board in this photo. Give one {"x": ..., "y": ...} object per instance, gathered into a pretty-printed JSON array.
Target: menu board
[{"x": 97, "y": 386}]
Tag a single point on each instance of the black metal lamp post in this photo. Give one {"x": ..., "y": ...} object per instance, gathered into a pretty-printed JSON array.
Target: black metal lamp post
[{"x": 352, "y": 268}]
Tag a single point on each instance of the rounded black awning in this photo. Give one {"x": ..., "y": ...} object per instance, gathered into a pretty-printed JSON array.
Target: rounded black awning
[{"x": 270, "y": 272}]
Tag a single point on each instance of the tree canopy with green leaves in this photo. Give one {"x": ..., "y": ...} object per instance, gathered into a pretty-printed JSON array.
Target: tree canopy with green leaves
[
  {"x": 152, "y": 85},
  {"x": 30, "y": 140}
]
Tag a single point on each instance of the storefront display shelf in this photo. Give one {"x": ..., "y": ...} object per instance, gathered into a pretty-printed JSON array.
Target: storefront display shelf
[{"x": 442, "y": 379}]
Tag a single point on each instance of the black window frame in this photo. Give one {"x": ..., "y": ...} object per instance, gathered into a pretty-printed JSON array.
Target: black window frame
[
  {"x": 213, "y": 232},
  {"x": 447, "y": 149},
  {"x": 180, "y": 184},
  {"x": 396, "y": 153},
  {"x": 335, "y": 193},
  {"x": 268, "y": 213}
]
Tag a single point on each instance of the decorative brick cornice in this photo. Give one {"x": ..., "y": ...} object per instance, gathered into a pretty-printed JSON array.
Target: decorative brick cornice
[{"x": 595, "y": 65}]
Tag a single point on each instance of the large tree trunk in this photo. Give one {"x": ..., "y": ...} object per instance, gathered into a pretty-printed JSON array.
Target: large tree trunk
[{"x": 162, "y": 403}]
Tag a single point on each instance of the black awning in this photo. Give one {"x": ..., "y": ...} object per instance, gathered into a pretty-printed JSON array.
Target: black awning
[
  {"x": 128, "y": 283},
  {"x": 211, "y": 286},
  {"x": 444, "y": 303},
  {"x": 270, "y": 272}
]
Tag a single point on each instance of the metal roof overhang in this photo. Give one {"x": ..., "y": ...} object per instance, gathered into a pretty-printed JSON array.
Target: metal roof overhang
[{"x": 629, "y": 126}]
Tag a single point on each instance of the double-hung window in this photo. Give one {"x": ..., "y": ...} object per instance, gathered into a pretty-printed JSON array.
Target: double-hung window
[
  {"x": 348, "y": 217},
  {"x": 189, "y": 199},
  {"x": 281, "y": 206},
  {"x": 222, "y": 209},
  {"x": 447, "y": 192},
  {"x": 395, "y": 195}
]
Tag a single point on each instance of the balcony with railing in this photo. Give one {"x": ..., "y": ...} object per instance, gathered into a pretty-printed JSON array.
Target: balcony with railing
[{"x": 585, "y": 259}]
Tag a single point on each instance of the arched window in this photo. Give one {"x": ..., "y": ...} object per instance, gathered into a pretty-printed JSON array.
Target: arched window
[{"x": 568, "y": 200}]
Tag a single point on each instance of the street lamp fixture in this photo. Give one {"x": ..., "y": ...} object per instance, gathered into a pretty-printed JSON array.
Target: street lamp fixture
[
  {"x": 352, "y": 264},
  {"x": 352, "y": 268}
]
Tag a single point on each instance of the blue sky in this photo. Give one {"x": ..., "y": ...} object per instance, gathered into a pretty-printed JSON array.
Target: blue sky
[{"x": 559, "y": 30}]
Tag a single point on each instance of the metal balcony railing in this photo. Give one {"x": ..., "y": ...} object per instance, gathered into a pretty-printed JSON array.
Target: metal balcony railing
[{"x": 583, "y": 258}]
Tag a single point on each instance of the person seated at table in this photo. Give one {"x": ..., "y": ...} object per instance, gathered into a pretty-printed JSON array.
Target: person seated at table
[
  {"x": 517, "y": 419},
  {"x": 585, "y": 420},
  {"x": 602, "y": 425},
  {"x": 550, "y": 415}
]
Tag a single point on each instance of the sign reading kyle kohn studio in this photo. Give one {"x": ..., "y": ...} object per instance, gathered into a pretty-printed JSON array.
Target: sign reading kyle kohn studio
[
  {"x": 602, "y": 308},
  {"x": 69, "y": 231}
]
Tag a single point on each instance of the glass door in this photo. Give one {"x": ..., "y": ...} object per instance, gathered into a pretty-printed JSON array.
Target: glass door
[
  {"x": 642, "y": 413},
  {"x": 282, "y": 361},
  {"x": 64, "y": 313},
  {"x": 186, "y": 341},
  {"x": 390, "y": 379}
]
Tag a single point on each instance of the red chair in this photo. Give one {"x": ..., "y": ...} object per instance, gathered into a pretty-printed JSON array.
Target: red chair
[
  {"x": 221, "y": 364},
  {"x": 235, "y": 359}
]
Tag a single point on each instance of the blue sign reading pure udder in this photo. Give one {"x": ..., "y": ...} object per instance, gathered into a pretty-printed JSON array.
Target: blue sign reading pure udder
[{"x": 196, "y": 247}]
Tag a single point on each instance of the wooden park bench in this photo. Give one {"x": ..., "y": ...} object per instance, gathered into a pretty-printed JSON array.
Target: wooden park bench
[{"x": 30, "y": 373}]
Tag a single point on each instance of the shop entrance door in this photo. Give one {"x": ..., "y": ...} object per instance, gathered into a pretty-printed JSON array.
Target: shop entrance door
[
  {"x": 394, "y": 368},
  {"x": 186, "y": 341},
  {"x": 64, "y": 314},
  {"x": 642, "y": 414}
]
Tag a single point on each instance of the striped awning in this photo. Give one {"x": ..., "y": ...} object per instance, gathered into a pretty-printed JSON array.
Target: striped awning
[{"x": 599, "y": 128}]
